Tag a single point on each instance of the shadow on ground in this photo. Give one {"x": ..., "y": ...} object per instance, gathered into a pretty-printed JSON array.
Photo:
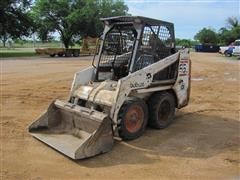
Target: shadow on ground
[{"x": 191, "y": 136}]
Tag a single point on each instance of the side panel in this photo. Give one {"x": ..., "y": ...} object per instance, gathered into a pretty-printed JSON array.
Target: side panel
[
  {"x": 83, "y": 77},
  {"x": 140, "y": 79},
  {"x": 236, "y": 51},
  {"x": 182, "y": 85}
]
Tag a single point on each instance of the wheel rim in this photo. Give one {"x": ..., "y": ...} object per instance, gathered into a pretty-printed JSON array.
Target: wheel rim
[
  {"x": 164, "y": 111},
  {"x": 134, "y": 118}
]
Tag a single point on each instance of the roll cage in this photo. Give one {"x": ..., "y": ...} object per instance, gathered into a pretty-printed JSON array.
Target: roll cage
[{"x": 132, "y": 43}]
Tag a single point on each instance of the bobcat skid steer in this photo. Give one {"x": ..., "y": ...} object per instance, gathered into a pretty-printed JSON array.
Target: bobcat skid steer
[{"x": 136, "y": 79}]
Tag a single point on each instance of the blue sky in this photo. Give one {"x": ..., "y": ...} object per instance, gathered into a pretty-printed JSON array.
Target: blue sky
[{"x": 188, "y": 16}]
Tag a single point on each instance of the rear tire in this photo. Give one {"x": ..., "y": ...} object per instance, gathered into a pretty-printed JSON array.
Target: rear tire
[
  {"x": 68, "y": 53},
  {"x": 60, "y": 54},
  {"x": 132, "y": 119},
  {"x": 162, "y": 109},
  {"x": 75, "y": 54},
  {"x": 227, "y": 54},
  {"x": 52, "y": 55}
]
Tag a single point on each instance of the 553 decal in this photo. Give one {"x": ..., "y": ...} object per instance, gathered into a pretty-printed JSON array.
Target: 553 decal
[{"x": 183, "y": 67}]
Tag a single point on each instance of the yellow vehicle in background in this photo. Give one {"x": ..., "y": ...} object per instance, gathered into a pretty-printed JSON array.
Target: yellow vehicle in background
[
  {"x": 59, "y": 51},
  {"x": 89, "y": 48}
]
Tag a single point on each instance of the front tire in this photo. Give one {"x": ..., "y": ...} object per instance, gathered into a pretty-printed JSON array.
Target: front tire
[
  {"x": 60, "y": 54},
  {"x": 132, "y": 119},
  {"x": 75, "y": 54},
  {"x": 162, "y": 109},
  {"x": 227, "y": 54}
]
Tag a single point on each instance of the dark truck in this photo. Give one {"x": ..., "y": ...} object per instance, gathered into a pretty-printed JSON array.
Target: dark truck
[{"x": 206, "y": 48}]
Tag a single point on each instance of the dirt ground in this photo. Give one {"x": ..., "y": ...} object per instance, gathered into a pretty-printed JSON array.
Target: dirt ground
[{"x": 202, "y": 143}]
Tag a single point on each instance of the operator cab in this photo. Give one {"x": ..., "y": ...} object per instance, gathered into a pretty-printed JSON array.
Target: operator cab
[{"x": 130, "y": 43}]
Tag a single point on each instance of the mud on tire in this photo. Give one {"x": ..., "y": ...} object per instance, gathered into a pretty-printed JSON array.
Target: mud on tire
[
  {"x": 161, "y": 106},
  {"x": 132, "y": 118}
]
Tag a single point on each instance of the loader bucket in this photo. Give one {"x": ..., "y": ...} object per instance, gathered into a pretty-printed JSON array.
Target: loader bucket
[{"x": 75, "y": 131}]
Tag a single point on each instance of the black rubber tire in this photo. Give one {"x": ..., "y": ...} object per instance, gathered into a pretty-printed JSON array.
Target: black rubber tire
[
  {"x": 75, "y": 54},
  {"x": 52, "y": 55},
  {"x": 155, "y": 105},
  {"x": 123, "y": 131},
  {"x": 60, "y": 54},
  {"x": 227, "y": 54},
  {"x": 68, "y": 54}
]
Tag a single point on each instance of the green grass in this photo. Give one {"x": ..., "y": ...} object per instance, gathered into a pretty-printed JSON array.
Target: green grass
[
  {"x": 31, "y": 45},
  {"x": 16, "y": 54},
  {"x": 36, "y": 45},
  {"x": 24, "y": 51},
  {"x": 234, "y": 58}
]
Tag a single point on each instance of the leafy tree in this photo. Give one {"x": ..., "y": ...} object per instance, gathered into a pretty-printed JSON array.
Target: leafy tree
[
  {"x": 187, "y": 43},
  {"x": 43, "y": 30},
  {"x": 15, "y": 21},
  {"x": 232, "y": 22},
  {"x": 71, "y": 18},
  {"x": 225, "y": 36},
  {"x": 229, "y": 34},
  {"x": 206, "y": 36}
]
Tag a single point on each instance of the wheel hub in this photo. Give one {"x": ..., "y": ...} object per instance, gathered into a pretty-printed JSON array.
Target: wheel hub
[{"x": 134, "y": 119}]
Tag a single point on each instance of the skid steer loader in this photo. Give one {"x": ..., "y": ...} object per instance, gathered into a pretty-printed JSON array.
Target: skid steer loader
[{"x": 136, "y": 79}]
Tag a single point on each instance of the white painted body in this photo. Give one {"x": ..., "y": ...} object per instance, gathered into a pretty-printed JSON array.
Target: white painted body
[
  {"x": 86, "y": 124},
  {"x": 236, "y": 50},
  {"x": 223, "y": 49},
  {"x": 112, "y": 94}
]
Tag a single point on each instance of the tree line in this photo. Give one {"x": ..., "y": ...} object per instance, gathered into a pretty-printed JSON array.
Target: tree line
[
  {"x": 75, "y": 19},
  {"x": 72, "y": 19},
  {"x": 224, "y": 36}
]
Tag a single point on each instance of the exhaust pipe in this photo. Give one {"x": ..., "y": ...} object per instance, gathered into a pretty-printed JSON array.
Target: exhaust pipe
[{"x": 75, "y": 131}]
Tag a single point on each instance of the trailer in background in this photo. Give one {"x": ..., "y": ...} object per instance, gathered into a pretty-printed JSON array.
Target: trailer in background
[
  {"x": 59, "y": 51},
  {"x": 90, "y": 46}
]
